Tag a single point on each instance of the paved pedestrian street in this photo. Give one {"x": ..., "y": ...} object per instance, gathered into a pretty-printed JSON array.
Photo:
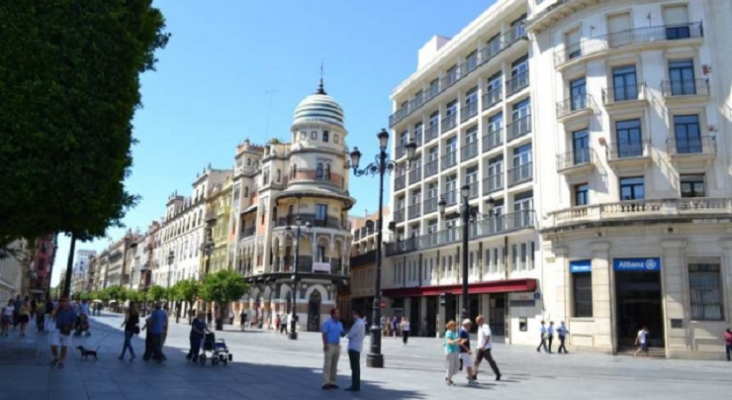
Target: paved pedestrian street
[{"x": 269, "y": 366}]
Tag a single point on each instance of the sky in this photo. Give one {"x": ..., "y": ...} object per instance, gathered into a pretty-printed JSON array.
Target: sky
[{"x": 236, "y": 69}]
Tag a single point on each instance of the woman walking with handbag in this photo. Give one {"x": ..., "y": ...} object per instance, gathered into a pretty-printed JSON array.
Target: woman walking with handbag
[{"x": 132, "y": 327}]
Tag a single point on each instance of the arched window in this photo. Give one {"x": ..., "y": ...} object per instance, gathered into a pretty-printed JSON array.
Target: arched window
[
  {"x": 279, "y": 175},
  {"x": 327, "y": 171},
  {"x": 246, "y": 191},
  {"x": 294, "y": 170},
  {"x": 326, "y": 136},
  {"x": 319, "y": 171},
  {"x": 335, "y": 138}
]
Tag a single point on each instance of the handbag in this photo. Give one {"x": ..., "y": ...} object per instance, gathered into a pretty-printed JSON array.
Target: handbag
[{"x": 136, "y": 329}]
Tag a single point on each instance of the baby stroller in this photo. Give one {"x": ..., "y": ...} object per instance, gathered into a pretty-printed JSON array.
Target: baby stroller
[
  {"x": 82, "y": 326},
  {"x": 218, "y": 349}
]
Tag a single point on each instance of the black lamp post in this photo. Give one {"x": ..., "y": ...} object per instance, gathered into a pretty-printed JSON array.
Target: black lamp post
[
  {"x": 379, "y": 167},
  {"x": 464, "y": 215},
  {"x": 296, "y": 273},
  {"x": 171, "y": 258}
]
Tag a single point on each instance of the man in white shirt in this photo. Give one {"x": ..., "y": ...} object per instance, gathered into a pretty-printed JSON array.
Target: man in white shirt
[
  {"x": 355, "y": 345},
  {"x": 484, "y": 348}
]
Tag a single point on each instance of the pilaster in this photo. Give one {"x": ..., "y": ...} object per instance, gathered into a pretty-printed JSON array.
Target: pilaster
[
  {"x": 602, "y": 303},
  {"x": 673, "y": 289}
]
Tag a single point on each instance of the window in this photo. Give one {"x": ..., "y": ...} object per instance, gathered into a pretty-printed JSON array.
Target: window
[
  {"x": 676, "y": 19},
  {"x": 41, "y": 264},
  {"x": 335, "y": 138},
  {"x": 321, "y": 213},
  {"x": 687, "y": 134},
  {"x": 705, "y": 292},
  {"x": 632, "y": 188},
  {"x": 246, "y": 191},
  {"x": 319, "y": 172},
  {"x": 681, "y": 75},
  {"x": 303, "y": 135},
  {"x": 472, "y": 60},
  {"x": 580, "y": 147},
  {"x": 572, "y": 42},
  {"x": 326, "y": 137},
  {"x": 629, "y": 138},
  {"x": 618, "y": 26},
  {"x": 582, "y": 294},
  {"x": 578, "y": 94},
  {"x": 327, "y": 171},
  {"x": 314, "y": 135},
  {"x": 692, "y": 185},
  {"x": 279, "y": 175},
  {"x": 625, "y": 85},
  {"x": 581, "y": 194},
  {"x": 321, "y": 253}
]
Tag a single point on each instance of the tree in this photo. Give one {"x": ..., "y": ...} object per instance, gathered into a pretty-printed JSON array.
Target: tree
[
  {"x": 223, "y": 287},
  {"x": 70, "y": 87},
  {"x": 136, "y": 296},
  {"x": 155, "y": 293}
]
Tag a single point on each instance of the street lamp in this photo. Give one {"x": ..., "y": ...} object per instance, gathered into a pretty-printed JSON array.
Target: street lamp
[
  {"x": 296, "y": 274},
  {"x": 464, "y": 215},
  {"x": 171, "y": 258},
  {"x": 379, "y": 167}
]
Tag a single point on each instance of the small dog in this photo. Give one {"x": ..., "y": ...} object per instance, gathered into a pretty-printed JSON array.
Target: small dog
[{"x": 86, "y": 353}]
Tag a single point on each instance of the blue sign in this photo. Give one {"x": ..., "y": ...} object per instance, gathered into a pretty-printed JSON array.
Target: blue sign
[
  {"x": 580, "y": 266},
  {"x": 637, "y": 264}
]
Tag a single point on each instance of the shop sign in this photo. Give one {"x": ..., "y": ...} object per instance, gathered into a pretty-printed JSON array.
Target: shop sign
[
  {"x": 637, "y": 264},
  {"x": 580, "y": 266}
]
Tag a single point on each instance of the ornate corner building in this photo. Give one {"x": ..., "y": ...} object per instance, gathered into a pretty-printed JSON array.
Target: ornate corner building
[{"x": 277, "y": 185}]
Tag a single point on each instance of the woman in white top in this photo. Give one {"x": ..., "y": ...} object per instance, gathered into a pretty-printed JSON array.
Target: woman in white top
[
  {"x": 7, "y": 316},
  {"x": 405, "y": 330},
  {"x": 642, "y": 341}
]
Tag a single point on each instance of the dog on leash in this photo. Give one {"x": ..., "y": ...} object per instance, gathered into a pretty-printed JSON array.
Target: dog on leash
[{"x": 86, "y": 353}]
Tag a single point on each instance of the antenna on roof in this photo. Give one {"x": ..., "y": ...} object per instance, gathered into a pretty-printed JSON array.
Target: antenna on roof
[{"x": 321, "y": 87}]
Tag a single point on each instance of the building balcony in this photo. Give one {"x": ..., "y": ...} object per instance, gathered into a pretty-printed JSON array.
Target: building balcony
[
  {"x": 249, "y": 232},
  {"x": 330, "y": 223},
  {"x": 579, "y": 162},
  {"x": 415, "y": 175},
  {"x": 400, "y": 150},
  {"x": 448, "y": 122},
  {"x": 416, "y": 137},
  {"x": 627, "y": 40},
  {"x": 496, "y": 225},
  {"x": 430, "y": 205},
  {"x": 518, "y": 128},
  {"x": 628, "y": 157},
  {"x": 492, "y": 183},
  {"x": 474, "y": 190},
  {"x": 692, "y": 151},
  {"x": 363, "y": 259},
  {"x": 399, "y": 216},
  {"x": 306, "y": 264},
  {"x": 517, "y": 83},
  {"x": 690, "y": 90},
  {"x": 624, "y": 97},
  {"x": 492, "y": 97},
  {"x": 400, "y": 182},
  {"x": 414, "y": 210},
  {"x": 520, "y": 174},
  {"x": 431, "y": 133},
  {"x": 661, "y": 211},
  {"x": 449, "y": 160},
  {"x": 469, "y": 151},
  {"x": 431, "y": 168},
  {"x": 575, "y": 107},
  {"x": 469, "y": 111},
  {"x": 450, "y": 197}
]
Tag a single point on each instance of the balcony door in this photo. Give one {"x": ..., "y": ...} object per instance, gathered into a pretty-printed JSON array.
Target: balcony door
[
  {"x": 522, "y": 205},
  {"x": 451, "y": 189},
  {"x": 625, "y": 85},
  {"x": 629, "y": 138},
  {"x": 578, "y": 94},
  {"x": 580, "y": 147},
  {"x": 687, "y": 134},
  {"x": 681, "y": 75}
]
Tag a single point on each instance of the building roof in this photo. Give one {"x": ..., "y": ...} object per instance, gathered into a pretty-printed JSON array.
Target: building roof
[{"x": 319, "y": 107}]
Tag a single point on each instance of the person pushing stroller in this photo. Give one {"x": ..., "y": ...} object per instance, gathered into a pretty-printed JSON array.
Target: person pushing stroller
[{"x": 198, "y": 330}]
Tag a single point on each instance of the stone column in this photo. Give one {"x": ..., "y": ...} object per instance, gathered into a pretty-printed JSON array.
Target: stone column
[
  {"x": 726, "y": 272},
  {"x": 673, "y": 285},
  {"x": 603, "y": 298}
]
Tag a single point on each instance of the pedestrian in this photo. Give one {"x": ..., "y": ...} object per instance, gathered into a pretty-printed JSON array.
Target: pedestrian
[
  {"x": 283, "y": 324},
  {"x": 64, "y": 316},
  {"x": 242, "y": 320},
  {"x": 544, "y": 336},
  {"x": 24, "y": 316},
  {"x": 332, "y": 331},
  {"x": 47, "y": 320},
  {"x": 562, "y": 331},
  {"x": 33, "y": 308},
  {"x": 405, "y": 330},
  {"x": 132, "y": 328},
  {"x": 642, "y": 342},
  {"x": 157, "y": 327},
  {"x": 40, "y": 316},
  {"x": 198, "y": 331},
  {"x": 483, "y": 350},
  {"x": 550, "y": 335},
  {"x": 728, "y": 343},
  {"x": 7, "y": 317},
  {"x": 452, "y": 352},
  {"x": 355, "y": 346},
  {"x": 465, "y": 351},
  {"x": 395, "y": 326},
  {"x": 16, "y": 311}
]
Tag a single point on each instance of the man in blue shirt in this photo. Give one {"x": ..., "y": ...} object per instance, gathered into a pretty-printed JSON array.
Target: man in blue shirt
[
  {"x": 61, "y": 336},
  {"x": 157, "y": 327},
  {"x": 355, "y": 345},
  {"x": 332, "y": 331}
]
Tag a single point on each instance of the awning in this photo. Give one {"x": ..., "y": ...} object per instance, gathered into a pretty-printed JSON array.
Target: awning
[
  {"x": 509, "y": 286},
  {"x": 249, "y": 209}
]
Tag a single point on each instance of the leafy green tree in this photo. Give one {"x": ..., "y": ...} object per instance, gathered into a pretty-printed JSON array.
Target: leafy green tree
[
  {"x": 70, "y": 86},
  {"x": 155, "y": 293},
  {"x": 223, "y": 287},
  {"x": 189, "y": 291},
  {"x": 135, "y": 295}
]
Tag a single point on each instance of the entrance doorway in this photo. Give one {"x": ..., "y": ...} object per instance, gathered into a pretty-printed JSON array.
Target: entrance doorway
[
  {"x": 415, "y": 322},
  {"x": 432, "y": 307},
  {"x": 638, "y": 302},
  {"x": 497, "y": 314},
  {"x": 314, "y": 311}
]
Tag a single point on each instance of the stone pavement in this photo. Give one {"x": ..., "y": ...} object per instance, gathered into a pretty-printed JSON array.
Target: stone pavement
[{"x": 267, "y": 365}]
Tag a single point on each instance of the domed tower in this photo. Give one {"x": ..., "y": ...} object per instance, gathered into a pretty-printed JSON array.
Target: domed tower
[{"x": 311, "y": 193}]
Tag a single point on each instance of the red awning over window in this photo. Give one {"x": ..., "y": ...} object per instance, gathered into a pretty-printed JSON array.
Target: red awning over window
[{"x": 513, "y": 285}]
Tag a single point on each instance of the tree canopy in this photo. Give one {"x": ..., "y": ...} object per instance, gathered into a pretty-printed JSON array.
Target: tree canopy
[
  {"x": 186, "y": 290},
  {"x": 70, "y": 87},
  {"x": 223, "y": 287},
  {"x": 155, "y": 293}
]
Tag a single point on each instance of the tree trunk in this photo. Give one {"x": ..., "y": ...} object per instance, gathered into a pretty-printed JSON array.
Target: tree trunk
[{"x": 69, "y": 267}]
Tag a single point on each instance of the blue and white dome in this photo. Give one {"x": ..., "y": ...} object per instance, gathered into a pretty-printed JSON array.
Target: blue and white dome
[{"x": 319, "y": 107}]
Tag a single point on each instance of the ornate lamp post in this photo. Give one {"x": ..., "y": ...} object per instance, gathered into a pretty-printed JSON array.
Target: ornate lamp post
[
  {"x": 464, "y": 215},
  {"x": 171, "y": 258},
  {"x": 379, "y": 167},
  {"x": 296, "y": 273}
]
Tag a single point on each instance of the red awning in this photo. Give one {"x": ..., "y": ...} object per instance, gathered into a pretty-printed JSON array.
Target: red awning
[{"x": 513, "y": 285}]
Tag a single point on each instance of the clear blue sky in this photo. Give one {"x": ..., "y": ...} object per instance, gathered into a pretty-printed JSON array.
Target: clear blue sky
[{"x": 209, "y": 92}]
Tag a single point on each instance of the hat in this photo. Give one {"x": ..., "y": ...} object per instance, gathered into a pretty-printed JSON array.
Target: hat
[{"x": 467, "y": 321}]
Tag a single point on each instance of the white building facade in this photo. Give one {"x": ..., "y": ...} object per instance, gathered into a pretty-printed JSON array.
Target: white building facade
[
  {"x": 469, "y": 108},
  {"x": 11, "y": 271},
  {"x": 80, "y": 271},
  {"x": 634, "y": 179}
]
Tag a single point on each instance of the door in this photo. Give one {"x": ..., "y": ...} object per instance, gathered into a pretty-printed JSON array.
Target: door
[
  {"x": 430, "y": 321},
  {"x": 415, "y": 325},
  {"x": 625, "y": 85},
  {"x": 629, "y": 138},
  {"x": 580, "y": 147},
  {"x": 314, "y": 311},
  {"x": 681, "y": 74},
  {"x": 578, "y": 94},
  {"x": 497, "y": 315},
  {"x": 638, "y": 303}
]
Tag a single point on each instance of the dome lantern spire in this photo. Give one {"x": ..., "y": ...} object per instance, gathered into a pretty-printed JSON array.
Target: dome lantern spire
[{"x": 321, "y": 87}]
